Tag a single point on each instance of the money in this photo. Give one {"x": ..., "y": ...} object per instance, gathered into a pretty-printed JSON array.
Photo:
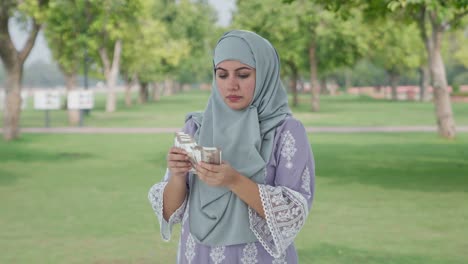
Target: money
[
  {"x": 195, "y": 152},
  {"x": 211, "y": 155}
]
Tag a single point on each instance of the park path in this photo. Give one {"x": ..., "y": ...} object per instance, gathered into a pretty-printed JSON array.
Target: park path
[{"x": 159, "y": 130}]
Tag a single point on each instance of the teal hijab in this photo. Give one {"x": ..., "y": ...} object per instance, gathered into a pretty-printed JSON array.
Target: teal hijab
[{"x": 217, "y": 216}]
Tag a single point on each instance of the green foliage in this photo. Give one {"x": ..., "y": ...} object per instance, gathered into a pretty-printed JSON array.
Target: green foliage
[
  {"x": 79, "y": 27},
  {"x": 459, "y": 38},
  {"x": 446, "y": 12},
  {"x": 278, "y": 24},
  {"x": 366, "y": 73},
  {"x": 110, "y": 21},
  {"x": 65, "y": 31},
  {"x": 172, "y": 39},
  {"x": 454, "y": 49},
  {"x": 292, "y": 27},
  {"x": 36, "y": 9},
  {"x": 341, "y": 43},
  {"x": 149, "y": 47},
  {"x": 395, "y": 46},
  {"x": 460, "y": 79},
  {"x": 193, "y": 22}
]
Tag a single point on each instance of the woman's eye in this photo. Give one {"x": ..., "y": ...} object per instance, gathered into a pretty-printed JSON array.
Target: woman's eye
[
  {"x": 244, "y": 76},
  {"x": 222, "y": 76}
]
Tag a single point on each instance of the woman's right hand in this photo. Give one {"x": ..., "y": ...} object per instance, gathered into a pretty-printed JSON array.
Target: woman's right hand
[{"x": 178, "y": 162}]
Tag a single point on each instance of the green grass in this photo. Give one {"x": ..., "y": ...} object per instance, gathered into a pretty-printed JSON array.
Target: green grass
[
  {"x": 343, "y": 110},
  {"x": 380, "y": 198},
  {"x": 350, "y": 110}
]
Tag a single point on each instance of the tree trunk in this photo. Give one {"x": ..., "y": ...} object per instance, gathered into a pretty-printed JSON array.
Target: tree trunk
[
  {"x": 12, "y": 107},
  {"x": 70, "y": 84},
  {"x": 323, "y": 86},
  {"x": 348, "y": 79},
  {"x": 143, "y": 98},
  {"x": 443, "y": 105},
  {"x": 394, "y": 77},
  {"x": 424, "y": 81},
  {"x": 293, "y": 82},
  {"x": 111, "y": 71},
  {"x": 128, "y": 90},
  {"x": 177, "y": 87},
  {"x": 13, "y": 61},
  {"x": 128, "y": 93},
  {"x": 168, "y": 86},
  {"x": 315, "y": 87},
  {"x": 156, "y": 92},
  {"x": 293, "y": 88}
]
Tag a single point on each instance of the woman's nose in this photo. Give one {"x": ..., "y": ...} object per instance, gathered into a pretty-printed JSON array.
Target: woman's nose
[{"x": 233, "y": 83}]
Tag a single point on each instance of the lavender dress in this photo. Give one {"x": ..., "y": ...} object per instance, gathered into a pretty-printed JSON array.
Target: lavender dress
[{"x": 286, "y": 196}]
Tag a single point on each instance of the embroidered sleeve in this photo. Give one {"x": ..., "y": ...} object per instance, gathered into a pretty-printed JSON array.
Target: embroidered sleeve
[
  {"x": 287, "y": 195},
  {"x": 156, "y": 198},
  {"x": 285, "y": 211}
]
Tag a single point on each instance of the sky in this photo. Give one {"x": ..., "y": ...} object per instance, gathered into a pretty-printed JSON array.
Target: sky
[{"x": 41, "y": 52}]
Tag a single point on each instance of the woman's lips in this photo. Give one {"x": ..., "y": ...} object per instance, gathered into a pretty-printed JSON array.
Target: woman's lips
[{"x": 234, "y": 98}]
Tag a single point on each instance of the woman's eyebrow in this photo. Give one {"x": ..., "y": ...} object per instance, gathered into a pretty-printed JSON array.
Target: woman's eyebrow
[{"x": 238, "y": 69}]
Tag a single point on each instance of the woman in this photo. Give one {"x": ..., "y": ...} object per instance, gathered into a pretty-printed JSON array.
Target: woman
[{"x": 250, "y": 208}]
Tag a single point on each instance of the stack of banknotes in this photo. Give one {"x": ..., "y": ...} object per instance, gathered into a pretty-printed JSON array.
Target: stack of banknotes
[{"x": 195, "y": 152}]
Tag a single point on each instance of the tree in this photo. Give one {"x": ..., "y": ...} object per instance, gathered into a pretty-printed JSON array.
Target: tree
[
  {"x": 461, "y": 54},
  {"x": 455, "y": 52},
  {"x": 395, "y": 47},
  {"x": 65, "y": 31},
  {"x": 195, "y": 22},
  {"x": 277, "y": 23},
  {"x": 434, "y": 18},
  {"x": 161, "y": 51},
  {"x": 305, "y": 30},
  {"x": 32, "y": 14},
  {"x": 440, "y": 15},
  {"x": 110, "y": 21}
]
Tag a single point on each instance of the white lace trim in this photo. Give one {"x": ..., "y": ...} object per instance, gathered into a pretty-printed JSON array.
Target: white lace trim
[
  {"x": 156, "y": 198},
  {"x": 306, "y": 180},
  {"x": 285, "y": 211},
  {"x": 288, "y": 148},
  {"x": 185, "y": 218},
  {"x": 280, "y": 260},
  {"x": 249, "y": 254},
  {"x": 217, "y": 254},
  {"x": 190, "y": 248}
]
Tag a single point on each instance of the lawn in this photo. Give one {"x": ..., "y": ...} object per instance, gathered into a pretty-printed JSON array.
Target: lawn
[
  {"x": 343, "y": 110},
  {"x": 380, "y": 198}
]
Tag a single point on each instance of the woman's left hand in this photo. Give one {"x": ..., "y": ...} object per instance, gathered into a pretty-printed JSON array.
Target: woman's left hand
[{"x": 223, "y": 175}]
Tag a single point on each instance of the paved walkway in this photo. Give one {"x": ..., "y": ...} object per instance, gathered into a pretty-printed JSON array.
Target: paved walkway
[{"x": 142, "y": 130}]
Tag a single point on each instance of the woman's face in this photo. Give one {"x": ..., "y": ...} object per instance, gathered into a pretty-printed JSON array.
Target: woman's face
[{"x": 236, "y": 83}]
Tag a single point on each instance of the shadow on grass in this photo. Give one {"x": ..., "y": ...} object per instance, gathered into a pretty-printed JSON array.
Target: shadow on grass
[
  {"x": 21, "y": 150},
  {"x": 327, "y": 253},
  {"x": 431, "y": 167},
  {"x": 19, "y": 155},
  {"x": 7, "y": 177},
  {"x": 24, "y": 154}
]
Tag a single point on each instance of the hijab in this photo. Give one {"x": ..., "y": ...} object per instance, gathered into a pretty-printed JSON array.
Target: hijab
[{"x": 217, "y": 217}]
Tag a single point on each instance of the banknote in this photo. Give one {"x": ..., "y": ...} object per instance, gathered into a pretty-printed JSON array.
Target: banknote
[
  {"x": 195, "y": 152},
  {"x": 211, "y": 155}
]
